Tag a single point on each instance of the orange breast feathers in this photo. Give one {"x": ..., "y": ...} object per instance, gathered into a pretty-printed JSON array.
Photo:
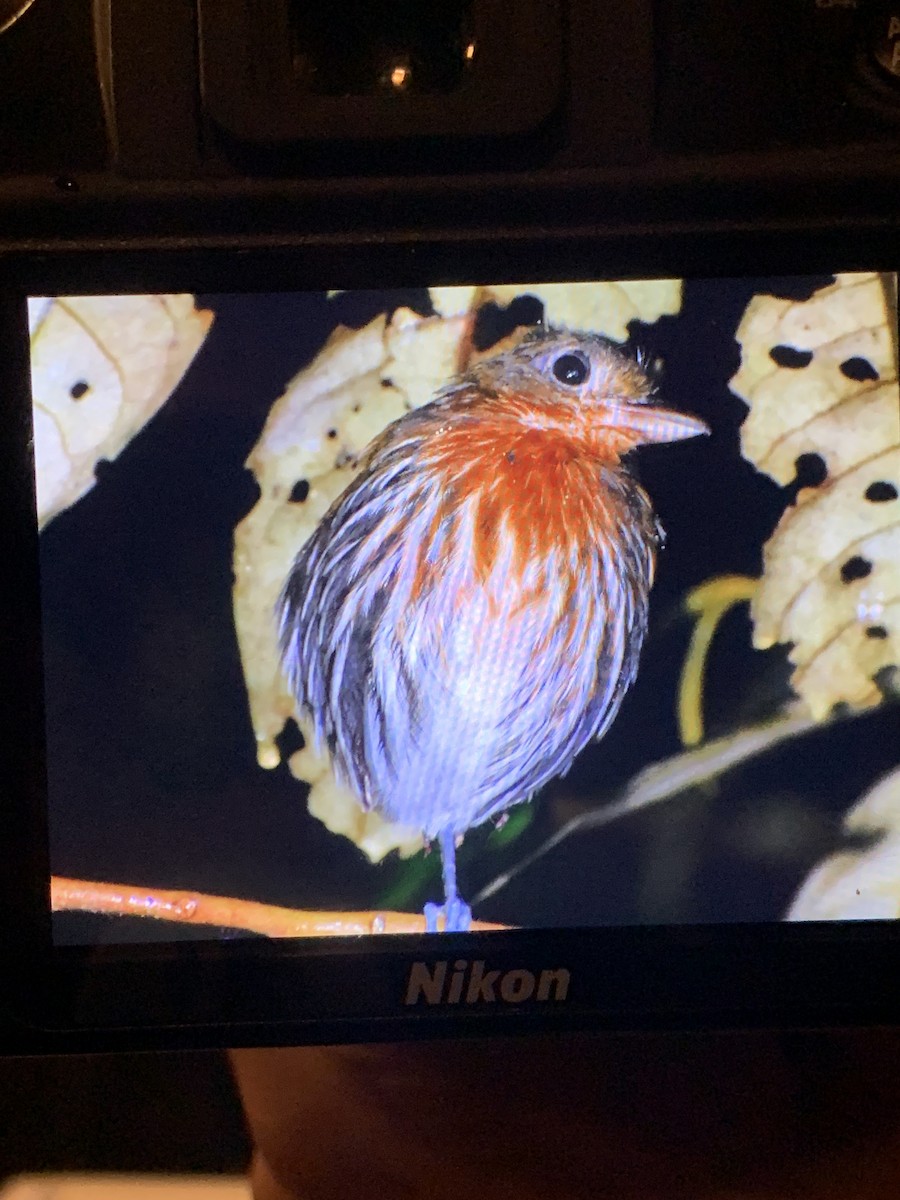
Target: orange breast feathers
[{"x": 529, "y": 471}]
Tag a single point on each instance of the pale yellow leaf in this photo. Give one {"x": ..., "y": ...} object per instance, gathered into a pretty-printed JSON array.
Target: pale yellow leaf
[
  {"x": 101, "y": 367},
  {"x": 424, "y": 354},
  {"x": 859, "y": 884},
  {"x": 335, "y": 805},
  {"x": 453, "y": 301},
  {"x": 831, "y": 577},
  {"x": 606, "y": 308}
]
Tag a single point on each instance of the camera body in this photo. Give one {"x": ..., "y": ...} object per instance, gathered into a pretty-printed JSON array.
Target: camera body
[
  {"x": 222, "y": 122},
  {"x": 219, "y": 147}
]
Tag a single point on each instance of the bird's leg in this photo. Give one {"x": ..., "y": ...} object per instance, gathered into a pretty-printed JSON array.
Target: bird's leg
[{"x": 457, "y": 914}]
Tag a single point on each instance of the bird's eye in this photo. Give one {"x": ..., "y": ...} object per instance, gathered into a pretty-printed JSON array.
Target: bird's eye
[{"x": 570, "y": 369}]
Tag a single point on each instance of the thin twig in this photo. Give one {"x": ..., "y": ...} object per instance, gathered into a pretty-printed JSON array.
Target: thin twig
[
  {"x": 196, "y": 908},
  {"x": 669, "y": 778}
]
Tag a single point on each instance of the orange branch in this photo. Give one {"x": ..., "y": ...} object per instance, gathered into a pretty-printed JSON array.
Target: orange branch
[{"x": 195, "y": 908}]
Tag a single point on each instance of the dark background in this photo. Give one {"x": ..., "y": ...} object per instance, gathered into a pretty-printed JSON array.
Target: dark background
[{"x": 153, "y": 774}]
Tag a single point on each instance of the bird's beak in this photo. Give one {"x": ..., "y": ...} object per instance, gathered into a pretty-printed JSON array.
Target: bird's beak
[{"x": 653, "y": 424}]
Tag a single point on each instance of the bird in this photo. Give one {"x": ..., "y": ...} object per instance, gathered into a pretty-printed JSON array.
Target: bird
[{"x": 468, "y": 614}]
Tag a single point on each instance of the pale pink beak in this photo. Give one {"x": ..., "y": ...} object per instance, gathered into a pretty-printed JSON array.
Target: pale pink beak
[{"x": 654, "y": 424}]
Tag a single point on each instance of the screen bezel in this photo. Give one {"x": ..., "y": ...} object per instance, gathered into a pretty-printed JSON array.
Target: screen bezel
[{"x": 350, "y": 989}]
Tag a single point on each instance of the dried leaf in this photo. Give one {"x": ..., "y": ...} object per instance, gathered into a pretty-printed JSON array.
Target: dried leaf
[
  {"x": 340, "y": 812},
  {"x": 101, "y": 367},
  {"x": 454, "y": 301},
  {"x": 606, "y": 308},
  {"x": 863, "y": 884},
  {"x": 820, "y": 377},
  {"x": 359, "y": 382}
]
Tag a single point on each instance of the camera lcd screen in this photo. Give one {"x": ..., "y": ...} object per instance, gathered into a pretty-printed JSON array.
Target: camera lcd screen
[{"x": 550, "y": 606}]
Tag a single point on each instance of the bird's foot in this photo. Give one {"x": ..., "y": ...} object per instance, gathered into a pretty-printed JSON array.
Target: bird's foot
[
  {"x": 457, "y": 916},
  {"x": 456, "y": 913}
]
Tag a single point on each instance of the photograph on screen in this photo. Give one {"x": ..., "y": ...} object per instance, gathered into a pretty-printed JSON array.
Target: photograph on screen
[{"x": 469, "y": 608}]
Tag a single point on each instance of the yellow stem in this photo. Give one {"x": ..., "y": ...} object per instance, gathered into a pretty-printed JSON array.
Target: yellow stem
[{"x": 709, "y": 603}]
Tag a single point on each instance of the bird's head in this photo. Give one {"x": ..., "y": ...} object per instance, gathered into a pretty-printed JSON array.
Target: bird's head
[{"x": 584, "y": 386}]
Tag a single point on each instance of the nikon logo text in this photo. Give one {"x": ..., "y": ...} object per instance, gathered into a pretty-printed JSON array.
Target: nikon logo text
[{"x": 466, "y": 982}]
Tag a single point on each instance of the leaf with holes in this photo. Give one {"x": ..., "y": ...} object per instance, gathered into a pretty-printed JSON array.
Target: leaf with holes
[
  {"x": 606, "y": 308},
  {"x": 820, "y": 378},
  {"x": 101, "y": 367}
]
